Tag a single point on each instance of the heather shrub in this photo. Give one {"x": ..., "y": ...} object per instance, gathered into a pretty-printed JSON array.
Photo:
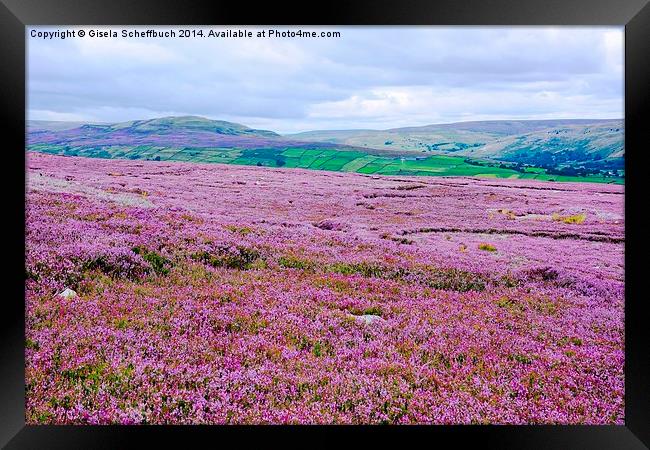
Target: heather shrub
[
  {"x": 543, "y": 306},
  {"x": 89, "y": 376},
  {"x": 399, "y": 240},
  {"x": 508, "y": 280},
  {"x": 231, "y": 257},
  {"x": 121, "y": 324},
  {"x": 542, "y": 274},
  {"x": 374, "y": 310},
  {"x": 293, "y": 262},
  {"x": 117, "y": 264},
  {"x": 451, "y": 279},
  {"x": 32, "y": 344},
  {"x": 520, "y": 358},
  {"x": 54, "y": 272},
  {"x": 76, "y": 262},
  {"x": 409, "y": 187},
  {"x": 509, "y": 305},
  {"x": 366, "y": 269},
  {"x": 239, "y": 230},
  {"x": 158, "y": 263},
  {"x": 331, "y": 225}
]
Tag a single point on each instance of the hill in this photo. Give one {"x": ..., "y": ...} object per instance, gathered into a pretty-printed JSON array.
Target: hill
[
  {"x": 52, "y": 125},
  {"x": 549, "y": 143},
  {"x": 588, "y": 144},
  {"x": 571, "y": 150},
  {"x": 167, "y": 125},
  {"x": 175, "y": 132},
  {"x": 504, "y": 127}
]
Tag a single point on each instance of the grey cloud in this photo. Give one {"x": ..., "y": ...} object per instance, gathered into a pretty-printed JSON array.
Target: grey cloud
[{"x": 280, "y": 83}]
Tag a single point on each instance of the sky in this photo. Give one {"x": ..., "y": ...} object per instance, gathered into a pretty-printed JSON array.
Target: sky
[{"x": 369, "y": 77}]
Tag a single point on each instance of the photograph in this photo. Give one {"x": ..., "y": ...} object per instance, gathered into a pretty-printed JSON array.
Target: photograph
[{"x": 325, "y": 225}]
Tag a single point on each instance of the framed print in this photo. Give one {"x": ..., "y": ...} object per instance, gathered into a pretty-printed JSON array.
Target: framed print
[{"x": 376, "y": 221}]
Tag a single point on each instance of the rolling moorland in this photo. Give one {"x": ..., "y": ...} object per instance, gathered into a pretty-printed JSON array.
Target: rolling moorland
[
  {"x": 558, "y": 150},
  {"x": 163, "y": 292}
]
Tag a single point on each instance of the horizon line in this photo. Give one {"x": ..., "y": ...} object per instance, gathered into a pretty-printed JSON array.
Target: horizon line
[{"x": 93, "y": 122}]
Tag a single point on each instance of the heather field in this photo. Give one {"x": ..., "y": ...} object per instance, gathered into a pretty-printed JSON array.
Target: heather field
[{"x": 170, "y": 292}]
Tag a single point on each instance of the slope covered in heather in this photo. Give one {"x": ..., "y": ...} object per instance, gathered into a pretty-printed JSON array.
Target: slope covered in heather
[{"x": 228, "y": 294}]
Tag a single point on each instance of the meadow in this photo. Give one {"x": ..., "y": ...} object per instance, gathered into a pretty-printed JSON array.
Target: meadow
[
  {"x": 369, "y": 161},
  {"x": 180, "y": 293}
]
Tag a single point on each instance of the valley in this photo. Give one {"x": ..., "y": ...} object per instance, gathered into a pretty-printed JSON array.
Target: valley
[{"x": 543, "y": 150}]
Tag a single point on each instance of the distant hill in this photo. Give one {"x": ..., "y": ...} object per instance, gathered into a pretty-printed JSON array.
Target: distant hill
[
  {"x": 162, "y": 125},
  {"x": 504, "y": 127},
  {"x": 569, "y": 150},
  {"x": 52, "y": 125},
  {"x": 535, "y": 142},
  {"x": 166, "y": 125},
  {"x": 571, "y": 143},
  {"x": 136, "y": 139},
  {"x": 165, "y": 131}
]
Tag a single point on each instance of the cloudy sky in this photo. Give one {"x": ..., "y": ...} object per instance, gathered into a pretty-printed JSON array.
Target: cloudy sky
[{"x": 370, "y": 77}]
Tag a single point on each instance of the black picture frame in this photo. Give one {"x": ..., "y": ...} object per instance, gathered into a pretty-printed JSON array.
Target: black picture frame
[{"x": 15, "y": 15}]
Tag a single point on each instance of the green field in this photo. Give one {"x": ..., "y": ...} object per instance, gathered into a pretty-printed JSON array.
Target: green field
[{"x": 320, "y": 159}]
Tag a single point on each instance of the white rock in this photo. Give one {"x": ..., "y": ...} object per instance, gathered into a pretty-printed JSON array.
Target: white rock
[
  {"x": 67, "y": 293},
  {"x": 368, "y": 319}
]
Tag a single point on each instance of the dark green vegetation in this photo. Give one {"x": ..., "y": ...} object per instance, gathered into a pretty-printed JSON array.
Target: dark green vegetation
[
  {"x": 158, "y": 263},
  {"x": 544, "y": 150},
  {"x": 240, "y": 257},
  {"x": 329, "y": 159},
  {"x": 434, "y": 277},
  {"x": 573, "y": 148}
]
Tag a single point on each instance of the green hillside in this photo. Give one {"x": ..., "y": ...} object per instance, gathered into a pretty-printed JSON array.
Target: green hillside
[
  {"x": 546, "y": 150},
  {"x": 324, "y": 159},
  {"x": 594, "y": 145},
  {"x": 184, "y": 123}
]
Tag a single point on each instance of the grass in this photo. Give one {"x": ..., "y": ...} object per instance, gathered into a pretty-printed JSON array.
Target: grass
[
  {"x": 293, "y": 262},
  {"x": 449, "y": 279},
  {"x": 574, "y": 219},
  {"x": 318, "y": 159}
]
